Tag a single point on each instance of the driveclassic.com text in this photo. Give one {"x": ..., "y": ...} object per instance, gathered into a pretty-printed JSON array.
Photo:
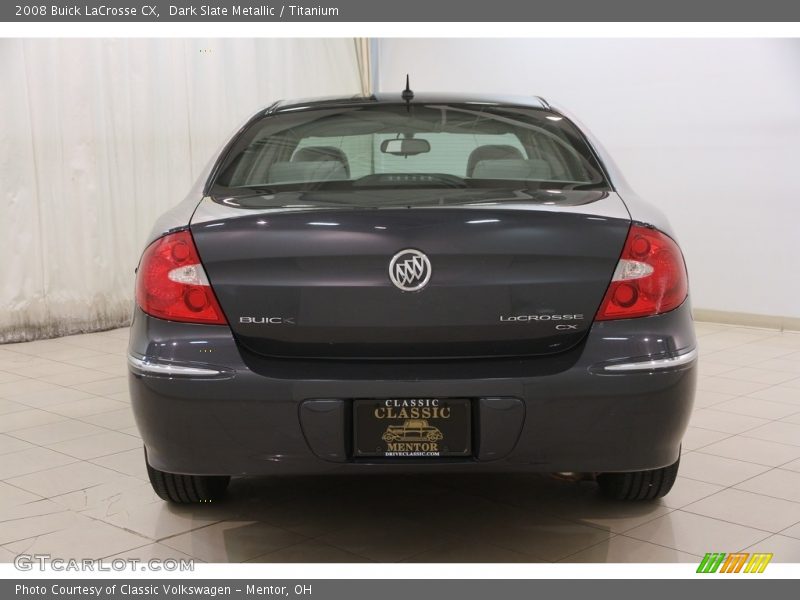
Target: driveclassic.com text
[{"x": 163, "y": 590}]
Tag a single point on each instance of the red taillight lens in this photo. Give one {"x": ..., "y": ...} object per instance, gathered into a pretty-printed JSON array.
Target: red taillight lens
[
  {"x": 650, "y": 277},
  {"x": 171, "y": 283}
]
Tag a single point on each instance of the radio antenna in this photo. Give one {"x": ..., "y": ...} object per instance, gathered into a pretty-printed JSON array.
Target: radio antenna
[{"x": 407, "y": 94}]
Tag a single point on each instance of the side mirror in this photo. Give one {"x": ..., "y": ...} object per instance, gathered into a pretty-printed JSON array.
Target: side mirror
[{"x": 405, "y": 147}]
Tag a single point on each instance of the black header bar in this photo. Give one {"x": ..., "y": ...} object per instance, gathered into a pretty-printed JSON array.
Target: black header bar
[{"x": 401, "y": 10}]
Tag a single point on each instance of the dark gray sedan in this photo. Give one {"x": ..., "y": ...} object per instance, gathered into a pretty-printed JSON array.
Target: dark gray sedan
[{"x": 416, "y": 283}]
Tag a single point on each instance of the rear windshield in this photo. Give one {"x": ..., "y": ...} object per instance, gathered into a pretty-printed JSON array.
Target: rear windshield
[{"x": 399, "y": 146}]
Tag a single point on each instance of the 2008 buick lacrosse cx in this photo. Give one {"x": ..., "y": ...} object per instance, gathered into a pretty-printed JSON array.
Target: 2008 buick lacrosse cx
[{"x": 412, "y": 283}]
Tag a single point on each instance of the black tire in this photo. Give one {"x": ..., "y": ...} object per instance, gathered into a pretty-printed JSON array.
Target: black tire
[
  {"x": 639, "y": 485},
  {"x": 187, "y": 489}
]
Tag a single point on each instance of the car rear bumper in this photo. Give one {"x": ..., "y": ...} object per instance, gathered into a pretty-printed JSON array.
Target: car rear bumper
[{"x": 620, "y": 401}]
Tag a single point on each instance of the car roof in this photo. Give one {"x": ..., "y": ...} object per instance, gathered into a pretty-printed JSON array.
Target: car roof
[{"x": 419, "y": 97}]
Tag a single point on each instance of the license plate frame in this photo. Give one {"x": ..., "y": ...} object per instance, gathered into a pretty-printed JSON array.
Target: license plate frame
[{"x": 413, "y": 428}]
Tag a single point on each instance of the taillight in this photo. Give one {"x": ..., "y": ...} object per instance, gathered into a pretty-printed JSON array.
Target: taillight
[
  {"x": 171, "y": 283},
  {"x": 650, "y": 277}
]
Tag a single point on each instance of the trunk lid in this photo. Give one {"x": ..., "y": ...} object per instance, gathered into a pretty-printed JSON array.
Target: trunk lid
[{"x": 508, "y": 274}]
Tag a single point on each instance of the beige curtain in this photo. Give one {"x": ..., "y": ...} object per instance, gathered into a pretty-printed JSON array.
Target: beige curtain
[
  {"x": 99, "y": 137},
  {"x": 364, "y": 58}
]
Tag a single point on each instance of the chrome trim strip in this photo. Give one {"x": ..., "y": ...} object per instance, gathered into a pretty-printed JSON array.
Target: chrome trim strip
[
  {"x": 653, "y": 365},
  {"x": 610, "y": 206},
  {"x": 170, "y": 369},
  {"x": 208, "y": 210}
]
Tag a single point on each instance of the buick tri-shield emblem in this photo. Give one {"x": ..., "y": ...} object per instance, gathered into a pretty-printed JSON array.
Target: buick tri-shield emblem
[{"x": 410, "y": 270}]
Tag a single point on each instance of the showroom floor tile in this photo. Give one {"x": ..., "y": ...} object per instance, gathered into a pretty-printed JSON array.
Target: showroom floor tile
[
  {"x": 749, "y": 509},
  {"x": 624, "y": 549},
  {"x": 232, "y": 541},
  {"x": 73, "y": 483}
]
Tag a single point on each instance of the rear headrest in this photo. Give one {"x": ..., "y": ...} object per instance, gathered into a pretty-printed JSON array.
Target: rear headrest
[
  {"x": 322, "y": 153},
  {"x": 300, "y": 172},
  {"x": 491, "y": 152},
  {"x": 534, "y": 168}
]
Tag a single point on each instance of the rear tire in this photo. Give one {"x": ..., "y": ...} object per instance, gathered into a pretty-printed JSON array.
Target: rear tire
[
  {"x": 639, "y": 485},
  {"x": 186, "y": 489}
]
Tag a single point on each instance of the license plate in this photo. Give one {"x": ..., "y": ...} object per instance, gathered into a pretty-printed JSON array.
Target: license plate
[{"x": 412, "y": 427}]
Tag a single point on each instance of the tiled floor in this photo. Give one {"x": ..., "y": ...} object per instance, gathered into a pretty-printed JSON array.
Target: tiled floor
[{"x": 73, "y": 484}]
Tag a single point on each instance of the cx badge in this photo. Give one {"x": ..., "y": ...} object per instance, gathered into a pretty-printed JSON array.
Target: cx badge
[{"x": 410, "y": 270}]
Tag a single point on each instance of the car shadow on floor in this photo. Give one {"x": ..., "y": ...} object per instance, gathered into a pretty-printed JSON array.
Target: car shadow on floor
[{"x": 415, "y": 518}]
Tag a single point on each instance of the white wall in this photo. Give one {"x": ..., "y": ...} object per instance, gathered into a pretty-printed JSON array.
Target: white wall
[
  {"x": 99, "y": 137},
  {"x": 708, "y": 130}
]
